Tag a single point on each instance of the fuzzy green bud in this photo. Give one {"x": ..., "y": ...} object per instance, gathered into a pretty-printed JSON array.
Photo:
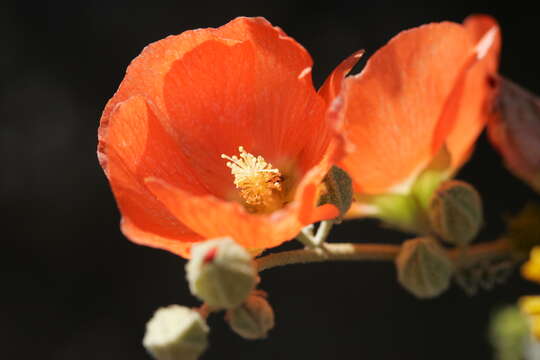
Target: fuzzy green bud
[
  {"x": 221, "y": 273},
  {"x": 176, "y": 332},
  {"x": 253, "y": 319},
  {"x": 423, "y": 267},
  {"x": 456, "y": 212}
]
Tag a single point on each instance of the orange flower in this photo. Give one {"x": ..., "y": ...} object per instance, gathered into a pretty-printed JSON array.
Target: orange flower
[
  {"x": 426, "y": 90},
  {"x": 189, "y": 103}
]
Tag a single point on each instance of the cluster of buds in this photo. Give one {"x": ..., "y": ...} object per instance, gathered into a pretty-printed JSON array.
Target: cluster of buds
[
  {"x": 455, "y": 217},
  {"x": 223, "y": 275}
]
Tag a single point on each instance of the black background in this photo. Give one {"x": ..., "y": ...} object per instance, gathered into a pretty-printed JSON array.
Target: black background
[{"x": 72, "y": 287}]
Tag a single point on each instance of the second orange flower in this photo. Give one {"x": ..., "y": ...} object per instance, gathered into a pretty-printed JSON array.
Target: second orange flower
[{"x": 423, "y": 98}]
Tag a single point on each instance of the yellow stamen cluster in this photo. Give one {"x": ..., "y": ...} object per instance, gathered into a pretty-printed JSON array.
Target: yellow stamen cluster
[{"x": 260, "y": 185}]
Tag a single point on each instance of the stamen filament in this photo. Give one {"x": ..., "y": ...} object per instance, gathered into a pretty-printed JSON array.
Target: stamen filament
[{"x": 259, "y": 183}]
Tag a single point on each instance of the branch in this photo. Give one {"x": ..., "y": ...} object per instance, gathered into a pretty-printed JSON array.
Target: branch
[{"x": 374, "y": 252}]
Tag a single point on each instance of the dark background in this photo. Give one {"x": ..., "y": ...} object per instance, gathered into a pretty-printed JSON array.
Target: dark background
[{"x": 72, "y": 287}]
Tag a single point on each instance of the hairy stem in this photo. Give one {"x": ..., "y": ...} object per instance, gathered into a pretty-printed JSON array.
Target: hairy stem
[{"x": 372, "y": 252}]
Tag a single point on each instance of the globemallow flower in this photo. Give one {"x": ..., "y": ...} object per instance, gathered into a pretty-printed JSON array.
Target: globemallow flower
[{"x": 220, "y": 133}]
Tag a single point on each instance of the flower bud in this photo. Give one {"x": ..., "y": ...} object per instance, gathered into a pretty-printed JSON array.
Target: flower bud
[
  {"x": 221, "y": 273},
  {"x": 456, "y": 212},
  {"x": 338, "y": 190},
  {"x": 176, "y": 332},
  {"x": 253, "y": 319},
  {"x": 508, "y": 332},
  {"x": 514, "y": 130},
  {"x": 423, "y": 267}
]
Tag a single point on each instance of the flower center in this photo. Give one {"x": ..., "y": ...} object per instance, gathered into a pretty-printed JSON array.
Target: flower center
[{"x": 259, "y": 184}]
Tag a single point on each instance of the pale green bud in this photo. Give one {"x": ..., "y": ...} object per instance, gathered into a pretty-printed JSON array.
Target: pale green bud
[
  {"x": 456, "y": 212},
  {"x": 509, "y": 333},
  {"x": 176, "y": 332},
  {"x": 253, "y": 319},
  {"x": 221, "y": 273},
  {"x": 423, "y": 267}
]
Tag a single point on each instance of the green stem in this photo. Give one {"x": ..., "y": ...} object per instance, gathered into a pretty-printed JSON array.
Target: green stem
[{"x": 371, "y": 252}]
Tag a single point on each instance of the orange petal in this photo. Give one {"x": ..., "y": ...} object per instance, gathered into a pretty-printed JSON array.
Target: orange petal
[
  {"x": 453, "y": 106},
  {"x": 245, "y": 83},
  {"x": 308, "y": 213},
  {"x": 188, "y": 99},
  {"x": 474, "y": 106},
  {"x": 210, "y": 96},
  {"x": 134, "y": 146},
  {"x": 338, "y": 145},
  {"x": 333, "y": 84},
  {"x": 212, "y": 217},
  {"x": 478, "y": 26},
  {"x": 393, "y": 106},
  {"x": 217, "y": 105}
]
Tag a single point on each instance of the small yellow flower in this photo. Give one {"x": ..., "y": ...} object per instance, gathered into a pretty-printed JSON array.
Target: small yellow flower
[
  {"x": 531, "y": 269},
  {"x": 530, "y": 305}
]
